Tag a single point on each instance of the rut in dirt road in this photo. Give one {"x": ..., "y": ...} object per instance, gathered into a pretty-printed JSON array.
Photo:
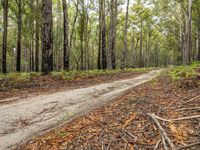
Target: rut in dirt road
[{"x": 21, "y": 120}]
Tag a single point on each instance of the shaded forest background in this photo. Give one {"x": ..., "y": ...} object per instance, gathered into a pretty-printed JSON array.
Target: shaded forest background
[{"x": 55, "y": 35}]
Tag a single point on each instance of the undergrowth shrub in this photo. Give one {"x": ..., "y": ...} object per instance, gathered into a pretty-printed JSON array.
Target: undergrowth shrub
[{"x": 186, "y": 77}]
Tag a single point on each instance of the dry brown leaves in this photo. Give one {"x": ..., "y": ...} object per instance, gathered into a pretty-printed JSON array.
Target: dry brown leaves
[{"x": 124, "y": 124}]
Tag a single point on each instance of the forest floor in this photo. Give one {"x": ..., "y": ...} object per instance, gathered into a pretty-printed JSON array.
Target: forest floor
[
  {"x": 21, "y": 119},
  {"x": 161, "y": 114},
  {"x": 22, "y": 85}
]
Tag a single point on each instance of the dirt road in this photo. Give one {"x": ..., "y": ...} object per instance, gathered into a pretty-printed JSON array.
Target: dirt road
[{"x": 23, "y": 119}]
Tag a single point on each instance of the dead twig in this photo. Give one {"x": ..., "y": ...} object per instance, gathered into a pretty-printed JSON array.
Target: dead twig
[
  {"x": 191, "y": 108},
  {"x": 194, "y": 98},
  {"x": 130, "y": 134},
  {"x": 188, "y": 146},
  {"x": 157, "y": 144},
  {"x": 178, "y": 119},
  {"x": 162, "y": 131},
  {"x": 109, "y": 145},
  {"x": 185, "y": 118},
  {"x": 164, "y": 143}
]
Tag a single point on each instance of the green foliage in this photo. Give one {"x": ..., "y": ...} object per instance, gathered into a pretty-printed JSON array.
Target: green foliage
[
  {"x": 16, "y": 80},
  {"x": 71, "y": 75},
  {"x": 19, "y": 76},
  {"x": 180, "y": 72}
]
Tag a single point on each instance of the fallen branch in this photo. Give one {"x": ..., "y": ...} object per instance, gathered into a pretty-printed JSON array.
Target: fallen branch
[
  {"x": 157, "y": 144},
  {"x": 109, "y": 145},
  {"x": 192, "y": 108},
  {"x": 186, "y": 118},
  {"x": 192, "y": 99},
  {"x": 164, "y": 143},
  {"x": 188, "y": 146},
  {"x": 131, "y": 135},
  {"x": 178, "y": 119},
  {"x": 162, "y": 131}
]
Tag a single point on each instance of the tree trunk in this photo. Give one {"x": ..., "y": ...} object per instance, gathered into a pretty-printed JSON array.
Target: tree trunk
[
  {"x": 188, "y": 34},
  {"x": 141, "y": 64},
  {"x": 100, "y": 35},
  {"x": 133, "y": 52},
  {"x": 32, "y": 54},
  {"x": 190, "y": 30},
  {"x": 19, "y": 36},
  {"x": 82, "y": 29},
  {"x": 5, "y": 26},
  {"x": 198, "y": 34},
  {"x": 199, "y": 39},
  {"x": 111, "y": 34},
  {"x": 66, "y": 45},
  {"x": 73, "y": 28},
  {"x": 125, "y": 51},
  {"x": 112, "y": 44},
  {"x": 32, "y": 24},
  {"x": 47, "y": 37},
  {"x": 114, "y": 40},
  {"x": 37, "y": 38},
  {"x": 104, "y": 59},
  {"x": 86, "y": 41},
  {"x": 82, "y": 51}
]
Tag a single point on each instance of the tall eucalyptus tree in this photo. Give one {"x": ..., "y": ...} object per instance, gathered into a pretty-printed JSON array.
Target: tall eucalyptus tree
[
  {"x": 47, "y": 37},
  {"x": 5, "y": 26}
]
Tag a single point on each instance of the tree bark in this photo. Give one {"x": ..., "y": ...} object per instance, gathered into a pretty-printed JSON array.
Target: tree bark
[
  {"x": 66, "y": 41},
  {"x": 111, "y": 34},
  {"x": 112, "y": 44},
  {"x": 19, "y": 35},
  {"x": 114, "y": 40},
  {"x": 190, "y": 30},
  {"x": 32, "y": 24},
  {"x": 82, "y": 29},
  {"x": 5, "y": 27},
  {"x": 141, "y": 64},
  {"x": 100, "y": 36},
  {"x": 188, "y": 34},
  {"x": 104, "y": 59},
  {"x": 199, "y": 39},
  {"x": 198, "y": 28},
  {"x": 32, "y": 54},
  {"x": 47, "y": 37},
  {"x": 125, "y": 50},
  {"x": 37, "y": 38},
  {"x": 86, "y": 39},
  {"x": 73, "y": 27}
]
